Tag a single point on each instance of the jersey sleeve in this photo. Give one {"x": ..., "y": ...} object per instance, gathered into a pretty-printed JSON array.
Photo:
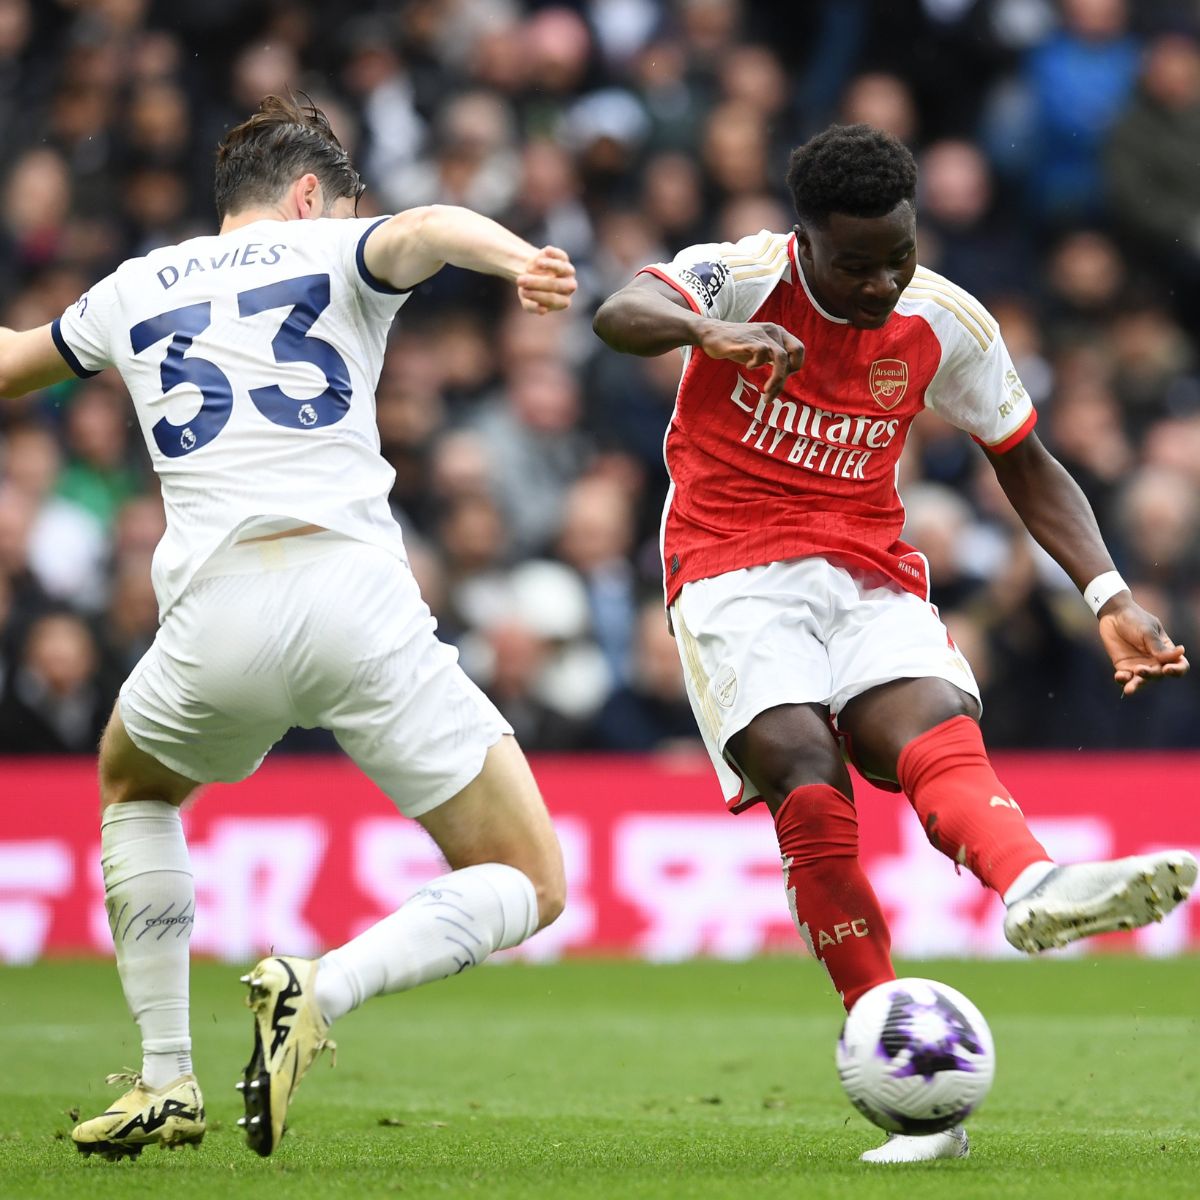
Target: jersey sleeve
[
  {"x": 83, "y": 334},
  {"x": 728, "y": 281},
  {"x": 373, "y": 290},
  {"x": 977, "y": 388}
]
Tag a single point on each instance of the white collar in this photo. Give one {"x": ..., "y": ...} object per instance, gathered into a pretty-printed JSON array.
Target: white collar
[{"x": 807, "y": 290}]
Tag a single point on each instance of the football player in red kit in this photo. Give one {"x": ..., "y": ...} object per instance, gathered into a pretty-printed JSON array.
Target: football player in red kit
[{"x": 803, "y": 621}]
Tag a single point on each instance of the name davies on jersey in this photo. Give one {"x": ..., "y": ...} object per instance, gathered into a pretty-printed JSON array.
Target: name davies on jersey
[
  {"x": 827, "y": 443},
  {"x": 242, "y": 256}
]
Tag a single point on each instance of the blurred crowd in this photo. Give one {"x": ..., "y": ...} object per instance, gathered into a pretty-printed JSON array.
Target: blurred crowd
[{"x": 1060, "y": 182}]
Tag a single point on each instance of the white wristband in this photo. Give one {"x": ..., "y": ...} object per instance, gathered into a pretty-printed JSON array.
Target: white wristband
[{"x": 1102, "y": 589}]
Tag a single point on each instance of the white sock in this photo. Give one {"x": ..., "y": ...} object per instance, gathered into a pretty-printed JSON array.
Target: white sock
[
  {"x": 151, "y": 902},
  {"x": 1027, "y": 881},
  {"x": 452, "y": 923}
]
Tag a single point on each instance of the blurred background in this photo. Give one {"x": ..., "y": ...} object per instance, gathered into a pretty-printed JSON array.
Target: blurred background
[{"x": 1059, "y": 149}]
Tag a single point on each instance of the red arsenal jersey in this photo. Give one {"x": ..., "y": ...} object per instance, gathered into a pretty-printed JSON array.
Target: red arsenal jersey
[{"x": 813, "y": 472}]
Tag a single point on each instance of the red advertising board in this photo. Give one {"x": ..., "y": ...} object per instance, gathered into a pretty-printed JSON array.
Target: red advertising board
[{"x": 308, "y": 852}]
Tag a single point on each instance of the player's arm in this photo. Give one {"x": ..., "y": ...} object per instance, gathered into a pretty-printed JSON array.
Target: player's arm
[
  {"x": 413, "y": 245},
  {"x": 1057, "y": 514},
  {"x": 29, "y": 360},
  {"x": 648, "y": 316}
]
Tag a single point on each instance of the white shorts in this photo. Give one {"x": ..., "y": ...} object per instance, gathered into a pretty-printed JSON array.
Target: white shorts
[
  {"x": 799, "y": 632},
  {"x": 317, "y": 631}
]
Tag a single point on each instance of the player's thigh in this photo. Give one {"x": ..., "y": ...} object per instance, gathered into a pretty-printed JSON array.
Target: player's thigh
[
  {"x": 208, "y": 699},
  {"x": 128, "y": 773},
  {"x": 500, "y": 817},
  {"x": 393, "y": 694},
  {"x": 750, "y": 644},
  {"x": 897, "y": 673}
]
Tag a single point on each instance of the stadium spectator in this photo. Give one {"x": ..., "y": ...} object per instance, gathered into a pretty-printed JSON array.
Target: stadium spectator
[
  {"x": 535, "y": 448},
  {"x": 130, "y": 620},
  {"x": 37, "y": 204},
  {"x": 650, "y": 713},
  {"x": 884, "y": 101},
  {"x": 534, "y": 657},
  {"x": 596, "y": 538},
  {"x": 98, "y": 476},
  {"x": 1153, "y": 169},
  {"x": 1051, "y": 130},
  {"x": 53, "y": 702},
  {"x": 67, "y": 543},
  {"x": 26, "y": 596},
  {"x": 595, "y": 118},
  {"x": 965, "y": 234}
]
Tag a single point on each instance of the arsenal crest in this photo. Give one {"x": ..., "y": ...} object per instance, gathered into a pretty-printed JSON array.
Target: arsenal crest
[{"x": 888, "y": 381}]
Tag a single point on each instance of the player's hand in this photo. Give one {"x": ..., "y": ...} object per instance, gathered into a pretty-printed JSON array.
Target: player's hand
[
  {"x": 1138, "y": 645},
  {"x": 547, "y": 282},
  {"x": 755, "y": 345}
]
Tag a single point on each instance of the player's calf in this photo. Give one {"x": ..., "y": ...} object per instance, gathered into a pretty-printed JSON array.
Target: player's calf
[
  {"x": 966, "y": 812},
  {"x": 832, "y": 901}
]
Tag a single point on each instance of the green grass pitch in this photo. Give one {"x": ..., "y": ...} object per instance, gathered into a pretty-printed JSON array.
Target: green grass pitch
[{"x": 615, "y": 1080}]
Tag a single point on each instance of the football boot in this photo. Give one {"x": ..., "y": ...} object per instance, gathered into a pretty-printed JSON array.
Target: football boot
[
  {"x": 169, "y": 1117},
  {"x": 289, "y": 1033},
  {"x": 1083, "y": 899}
]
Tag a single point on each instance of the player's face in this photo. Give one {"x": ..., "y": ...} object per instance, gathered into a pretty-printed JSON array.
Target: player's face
[{"x": 858, "y": 267}]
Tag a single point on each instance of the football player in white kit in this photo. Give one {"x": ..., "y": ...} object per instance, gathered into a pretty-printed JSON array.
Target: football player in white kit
[{"x": 286, "y": 599}]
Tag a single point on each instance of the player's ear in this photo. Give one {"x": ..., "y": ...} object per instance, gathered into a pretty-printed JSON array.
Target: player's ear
[{"x": 308, "y": 199}]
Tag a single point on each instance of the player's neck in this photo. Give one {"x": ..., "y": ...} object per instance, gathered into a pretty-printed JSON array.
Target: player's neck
[
  {"x": 250, "y": 216},
  {"x": 817, "y": 302}
]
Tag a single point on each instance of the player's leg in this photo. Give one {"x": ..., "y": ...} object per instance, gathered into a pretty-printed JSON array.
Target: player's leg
[
  {"x": 757, "y": 676},
  {"x": 189, "y": 713},
  {"x": 922, "y": 733},
  {"x": 881, "y": 636},
  {"x": 150, "y": 899},
  {"x": 404, "y": 710},
  {"x": 795, "y": 763},
  {"x": 505, "y": 882}
]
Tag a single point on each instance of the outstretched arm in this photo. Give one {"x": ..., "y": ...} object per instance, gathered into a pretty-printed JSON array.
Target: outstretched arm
[
  {"x": 648, "y": 317},
  {"x": 30, "y": 360},
  {"x": 1057, "y": 514},
  {"x": 418, "y": 243}
]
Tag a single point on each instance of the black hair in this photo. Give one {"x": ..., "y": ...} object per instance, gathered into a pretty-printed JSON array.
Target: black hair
[
  {"x": 853, "y": 169},
  {"x": 257, "y": 159}
]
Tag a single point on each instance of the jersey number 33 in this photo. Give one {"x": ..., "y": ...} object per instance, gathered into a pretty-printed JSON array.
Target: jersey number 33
[{"x": 307, "y": 296}]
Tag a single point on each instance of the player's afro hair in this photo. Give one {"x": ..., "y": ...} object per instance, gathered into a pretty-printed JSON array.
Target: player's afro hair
[{"x": 853, "y": 169}]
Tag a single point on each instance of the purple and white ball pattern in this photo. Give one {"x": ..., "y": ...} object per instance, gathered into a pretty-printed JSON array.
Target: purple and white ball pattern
[{"x": 915, "y": 1056}]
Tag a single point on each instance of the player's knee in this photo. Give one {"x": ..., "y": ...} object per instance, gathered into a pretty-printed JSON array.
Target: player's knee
[
  {"x": 115, "y": 783},
  {"x": 126, "y": 773},
  {"x": 803, "y": 767},
  {"x": 552, "y": 899},
  {"x": 550, "y": 886},
  {"x": 883, "y": 721}
]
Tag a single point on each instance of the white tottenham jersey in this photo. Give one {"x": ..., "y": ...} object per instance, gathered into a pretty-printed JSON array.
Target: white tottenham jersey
[{"x": 252, "y": 359}]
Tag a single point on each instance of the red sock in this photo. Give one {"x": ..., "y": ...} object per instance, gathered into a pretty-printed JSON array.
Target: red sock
[
  {"x": 832, "y": 902},
  {"x": 966, "y": 811}
]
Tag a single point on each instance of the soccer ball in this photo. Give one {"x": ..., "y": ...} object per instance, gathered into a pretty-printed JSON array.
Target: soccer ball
[{"x": 915, "y": 1056}]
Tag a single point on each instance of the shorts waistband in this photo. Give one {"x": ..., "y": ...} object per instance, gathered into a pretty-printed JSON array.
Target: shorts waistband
[{"x": 252, "y": 558}]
